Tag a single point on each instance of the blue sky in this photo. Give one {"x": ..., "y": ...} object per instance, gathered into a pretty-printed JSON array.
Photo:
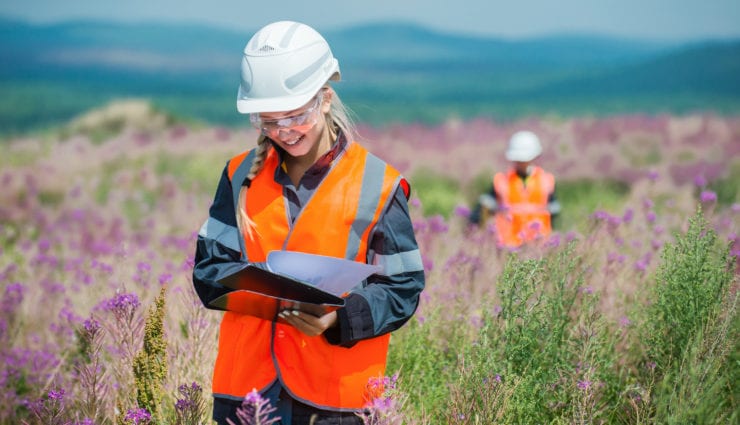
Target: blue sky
[{"x": 648, "y": 19}]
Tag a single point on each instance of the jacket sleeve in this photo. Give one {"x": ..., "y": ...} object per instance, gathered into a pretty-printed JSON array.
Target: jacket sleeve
[
  {"x": 487, "y": 201},
  {"x": 218, "y": 251},
  {"x": 389, "y": 300}
]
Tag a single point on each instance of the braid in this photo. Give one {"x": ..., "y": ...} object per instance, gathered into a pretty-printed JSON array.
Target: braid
[
  {"x": 247, "y": 227},
  {"x": 263, "y": 146}
]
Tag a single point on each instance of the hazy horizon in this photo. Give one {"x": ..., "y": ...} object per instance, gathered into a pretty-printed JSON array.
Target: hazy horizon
[{"x": 659, "y": 20}]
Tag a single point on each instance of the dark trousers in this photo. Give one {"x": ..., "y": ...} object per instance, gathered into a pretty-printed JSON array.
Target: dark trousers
[{"x": 290, "y": 411}]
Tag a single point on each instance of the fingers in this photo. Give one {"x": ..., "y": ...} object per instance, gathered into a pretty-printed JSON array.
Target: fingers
[
  {"x": 301, "y": 321},
  {"x": 308, "y": 323}
]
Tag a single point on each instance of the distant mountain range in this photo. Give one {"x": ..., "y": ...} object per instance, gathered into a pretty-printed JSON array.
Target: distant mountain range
[{"x": 391, "y": 72}]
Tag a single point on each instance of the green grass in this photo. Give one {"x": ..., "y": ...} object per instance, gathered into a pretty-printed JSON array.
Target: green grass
[
  {"x": 438, "y": 194},
  {"x": 580, "y": 198}
]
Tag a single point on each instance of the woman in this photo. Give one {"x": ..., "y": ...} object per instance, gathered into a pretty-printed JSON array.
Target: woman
[{"x": 308, "y": 187}]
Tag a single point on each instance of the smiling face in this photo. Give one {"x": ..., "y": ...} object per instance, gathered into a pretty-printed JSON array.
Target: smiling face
[{"x": 300, "y": 132}]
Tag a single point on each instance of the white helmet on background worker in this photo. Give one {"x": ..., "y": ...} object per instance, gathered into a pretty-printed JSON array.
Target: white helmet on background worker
[
  {"x": 284, "y": 65},
  {"x": 524, "y": 146}
]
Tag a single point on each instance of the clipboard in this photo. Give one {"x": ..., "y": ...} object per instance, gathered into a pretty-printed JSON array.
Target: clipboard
[{"x": 316, "y": 285}]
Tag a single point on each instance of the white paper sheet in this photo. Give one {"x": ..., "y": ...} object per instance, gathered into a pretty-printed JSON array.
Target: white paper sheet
[{"x": 331, "y": 274}]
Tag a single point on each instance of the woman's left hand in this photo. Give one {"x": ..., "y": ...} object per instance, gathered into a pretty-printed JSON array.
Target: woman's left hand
[{"x": 308, "y": 323}]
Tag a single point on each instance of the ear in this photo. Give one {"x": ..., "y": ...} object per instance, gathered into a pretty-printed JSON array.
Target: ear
[{"x": 327, "y": 99}]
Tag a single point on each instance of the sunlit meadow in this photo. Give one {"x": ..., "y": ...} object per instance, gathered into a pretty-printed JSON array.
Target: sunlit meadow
[{"x": 626, "y": 314}]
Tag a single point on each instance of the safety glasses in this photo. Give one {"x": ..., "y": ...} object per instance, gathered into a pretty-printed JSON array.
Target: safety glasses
[{"x": 301, "y": 122}]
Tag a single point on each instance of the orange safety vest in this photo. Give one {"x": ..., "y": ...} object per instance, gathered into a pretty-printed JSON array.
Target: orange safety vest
[
  {"x": 522, "y": 214},
  {"x": 337, "y": 222}
]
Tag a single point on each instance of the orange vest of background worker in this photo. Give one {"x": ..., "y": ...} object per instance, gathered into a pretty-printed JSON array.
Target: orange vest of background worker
[
  {"x": 522, "y": 199},
  {"x": 314, "y": 371}
]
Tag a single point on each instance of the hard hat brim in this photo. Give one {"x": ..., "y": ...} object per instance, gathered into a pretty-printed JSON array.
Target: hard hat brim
[
  {"x": 520, "y": 156},
  {"x": 246, "y": 105}
]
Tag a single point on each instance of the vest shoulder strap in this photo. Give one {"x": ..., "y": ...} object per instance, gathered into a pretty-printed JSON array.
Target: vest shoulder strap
[{"x": 239, "y": 174}]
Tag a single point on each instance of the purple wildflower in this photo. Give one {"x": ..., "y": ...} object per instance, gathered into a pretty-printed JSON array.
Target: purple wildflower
[
  {"x": 700, "y": 180},
  {"x": 462, "y": 211},
  {"x": 190, "y": 408},
  {"x": 553, "y": 241},
  {"x": 138, "y": 416},
  {"x": 428, "y": 263},
  {"x": 122, "y": 303},
  {"x": 44, "y": 245},
  {"x": 615, "y": 221},
  {"x": 437, "y": 224},
  {"x": 629, "y": 213},
  {"x": 615, "y": 257},
  {"x": 56, "y": 395},
  {"x": 143, "y": 266},
  {"x": 256, "y": 410},
  {"x": 641, "y": 265},
  {"x": 708, "y": 196},
  {"x": 624, "y": 321},
  {"x": 12, "y": 297},
  {"x": 601, "y": 215},
  {"x": 584, "y": 385},
  {"x": 49, "y": 409},
  {"x": 91, "y": 325},
  {"x": 165, "y": 278}
]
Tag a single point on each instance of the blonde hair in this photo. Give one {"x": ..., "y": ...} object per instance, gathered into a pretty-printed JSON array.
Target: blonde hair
[{"x": 338, "y": 118}]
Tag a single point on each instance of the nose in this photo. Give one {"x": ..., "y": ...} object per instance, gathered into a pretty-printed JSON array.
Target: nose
[{"x": 284, "y": 133}]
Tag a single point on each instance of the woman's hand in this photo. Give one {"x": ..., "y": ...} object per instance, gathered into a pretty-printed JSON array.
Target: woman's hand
[{"x": 308, "y": 323}]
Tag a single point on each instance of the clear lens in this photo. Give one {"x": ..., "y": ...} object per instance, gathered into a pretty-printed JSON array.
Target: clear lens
[{"x": 301, "y": 122}]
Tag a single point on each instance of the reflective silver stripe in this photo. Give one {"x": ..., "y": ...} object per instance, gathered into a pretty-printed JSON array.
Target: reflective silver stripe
[
  {"x": 297, "y": 79},
  {"x": 402, "y": 262},
  {"x": 237, "y": 180},
  {"x": 372, "y": 186},
  {"x": 222, "y": 233}
]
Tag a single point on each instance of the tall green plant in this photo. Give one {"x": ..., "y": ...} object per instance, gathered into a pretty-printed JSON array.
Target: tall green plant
[
  {"x": 694, "y": 274},
  {"x": 691, "y": 329},
  {"x": 702, "y": 388},
  {"x": 150, "y": 364},
  {"x": 549, "y": 343}
]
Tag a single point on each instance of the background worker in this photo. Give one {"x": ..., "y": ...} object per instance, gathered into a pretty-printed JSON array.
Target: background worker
[
  {"x": 521, "y": 200},
  {"x": 308, "y": 187}
]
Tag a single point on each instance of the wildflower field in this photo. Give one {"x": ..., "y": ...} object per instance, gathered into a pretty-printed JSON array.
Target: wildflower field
[{"x": 627, "y": 314}]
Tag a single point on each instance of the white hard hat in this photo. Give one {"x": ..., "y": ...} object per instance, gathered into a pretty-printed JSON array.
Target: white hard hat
[
  {"x": 524, "y": 146},
  {"x": 284, "y": 65}
]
